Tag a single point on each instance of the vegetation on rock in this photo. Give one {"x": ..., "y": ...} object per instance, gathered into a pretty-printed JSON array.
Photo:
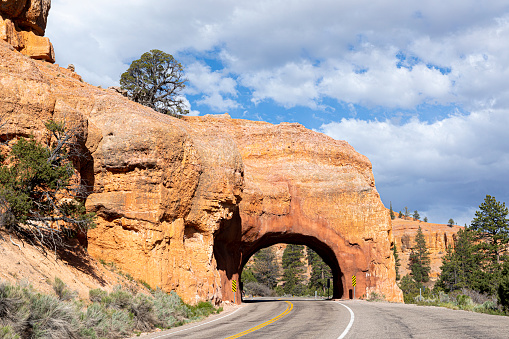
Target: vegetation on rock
[
  {"x": 39, "y": 200},
  {"x": 156, "y": 80}
]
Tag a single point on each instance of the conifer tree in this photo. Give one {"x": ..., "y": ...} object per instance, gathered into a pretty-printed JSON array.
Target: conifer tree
[
  {"x": 460, "y": 267},
  {"x": 419, "y": 259},
  {"x": 293, "y": 269},
  {"x": 265, "y": 267},
  {"x": 397, "y": 261},
  {"x": 391, "y": 212},
  {"x": 491, "y": 233},
  {"x": 320, "y": 272},
  {"x": 416, "y": 215}
]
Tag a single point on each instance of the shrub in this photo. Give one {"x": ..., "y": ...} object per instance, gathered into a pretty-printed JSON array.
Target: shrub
[
  {"x": 97, "y": 295},
  {"x": 373, "y": 296},
  {"x": 62, "y": 291},
  {"x": 51, "y": 318},
  {"x": 142, "y": 309},
  {"x": 6, "y": 332},
  {"x": 169, "y": 309},
  {"x": 119, "y": 298},
  {"x": 257, "y": 289}
]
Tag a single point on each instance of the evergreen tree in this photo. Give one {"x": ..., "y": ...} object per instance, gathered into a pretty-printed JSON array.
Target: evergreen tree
[
  {"x": 407, "y": 212},
  {"x": 391, "y": 212},
  {"x": 397, "y": 261},
  {"x": 460, "y": 267},
  {"x": 38, "y": 198},
  {"x": 156, "y": 80},
  {"x": 425, "y": 219},
  {"x": 248, "y": 276},
  {"x": 265, "y": 267},
  {"x": 293, "y": 269},
  {"x": 400, "y": 215},
  {"x": 419, "y": 259},
  {"x": 491, "y": 233},
  {"x": 320, "y": 272},
  {"x": 450, "y": 223},
  {"x": 416, "y": 215}
]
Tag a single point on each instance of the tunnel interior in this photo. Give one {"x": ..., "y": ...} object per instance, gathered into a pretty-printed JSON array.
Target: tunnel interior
[{"x": 322, "y": 249}]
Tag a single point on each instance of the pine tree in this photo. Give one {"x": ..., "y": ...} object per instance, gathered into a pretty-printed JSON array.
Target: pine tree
[
  {"x": 400, "y": 215},
  {"x": 293, "y": 269},
  {"x": 425, "y": 219},
  {"x": 397, "y": 261},
  {"x": 419, "y": 259},
  {"x": 391, "y": 212},
  {"x": 491, "y": 232},
  {"x": 320, "y": 272},
  {"x": 407, "y": 212},
  {"x": 416, "y": 215},
  {"x": 450, "y": 223},
  {"x": 265, "y": 267},
  {"x": 460, "y": 267}
]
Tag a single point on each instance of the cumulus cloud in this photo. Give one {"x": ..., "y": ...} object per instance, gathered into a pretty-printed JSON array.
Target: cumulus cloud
[
  {"x": 446, "y": 167},
  {"x": 214, "y": 88},
  {"x": 298, "y": 54}
]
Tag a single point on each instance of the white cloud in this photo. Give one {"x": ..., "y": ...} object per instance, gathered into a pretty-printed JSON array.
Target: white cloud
[
  {"x": 215, "y": 88},
  {"x": 298, "y": 53},
  {"x": 447, "y": 165}
]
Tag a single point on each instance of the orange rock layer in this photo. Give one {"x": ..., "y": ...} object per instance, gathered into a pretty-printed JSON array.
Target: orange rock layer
[
  {"x": 183, "y": 203},
  {"x": 438, "y": 237}
]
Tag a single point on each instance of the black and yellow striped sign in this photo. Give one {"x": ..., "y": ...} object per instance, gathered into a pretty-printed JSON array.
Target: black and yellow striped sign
[
  {"x": 234, "y": 285},
  {"x": 354, "y": 280}
]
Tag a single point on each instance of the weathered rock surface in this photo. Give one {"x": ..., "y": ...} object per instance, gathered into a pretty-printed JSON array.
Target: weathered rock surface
[
  {"x": 438, "y": 237},
  {"x": 304, "y": 187},
  {"x": 183, "y": 203},
  {"x": 22, "y": 25}
]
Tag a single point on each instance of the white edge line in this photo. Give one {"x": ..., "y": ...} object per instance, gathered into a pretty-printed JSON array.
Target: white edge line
[
  {"x": 190, "y": 328},
  {"x": 352, "y": 317}
]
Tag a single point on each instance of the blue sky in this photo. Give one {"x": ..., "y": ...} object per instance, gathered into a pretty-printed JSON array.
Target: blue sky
[{"x": 419, "y": 87}]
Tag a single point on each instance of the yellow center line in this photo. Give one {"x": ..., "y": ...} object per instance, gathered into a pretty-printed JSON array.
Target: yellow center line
[{"x": 288, "y": 310}]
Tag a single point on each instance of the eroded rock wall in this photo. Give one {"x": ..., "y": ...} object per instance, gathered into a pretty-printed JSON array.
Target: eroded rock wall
[
  {"x": 160, "y": 187},
  {"x": 22, "y": 25},
  {"x": 302, "y": 186},
  {"x": 182, "y": 203},
  {"x": 438, "y": 237}
]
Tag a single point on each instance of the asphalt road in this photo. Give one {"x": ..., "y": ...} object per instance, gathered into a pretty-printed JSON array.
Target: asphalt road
[{"x": 298, "y": 318}]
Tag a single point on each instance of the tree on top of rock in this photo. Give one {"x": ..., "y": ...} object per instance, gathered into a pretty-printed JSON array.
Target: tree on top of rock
[
  {"x": 156, "y": 80},
  {"x": 419, "y": 259}
]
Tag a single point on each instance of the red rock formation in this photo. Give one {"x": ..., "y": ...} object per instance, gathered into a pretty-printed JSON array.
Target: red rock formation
[
  {"x": 183, "y": 203},
  {"x": 22, "y": 25},
  {"x": 304, "y": 187},
  {"x": 438, "y": 237}
]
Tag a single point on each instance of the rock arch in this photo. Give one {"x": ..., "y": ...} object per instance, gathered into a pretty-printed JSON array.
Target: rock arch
[{"x": 304, "y": 187}]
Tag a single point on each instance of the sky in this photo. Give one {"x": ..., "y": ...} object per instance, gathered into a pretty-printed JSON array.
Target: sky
[{"x": 419, "y": 87}]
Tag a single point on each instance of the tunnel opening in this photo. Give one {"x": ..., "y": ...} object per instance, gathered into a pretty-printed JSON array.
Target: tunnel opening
[
  {"x": 322, "y": 250},
  {"x": 287, "y": 269}
]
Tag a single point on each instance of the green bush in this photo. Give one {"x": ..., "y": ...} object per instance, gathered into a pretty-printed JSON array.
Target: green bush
[
  {"x": 6, "y": 332},
  {"x": 27, "y": 314},
  {"x": 503, "y": 293},
  {"x": 97, "y": 295}
]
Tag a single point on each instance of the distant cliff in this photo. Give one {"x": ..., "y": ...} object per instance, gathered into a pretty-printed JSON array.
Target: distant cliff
[{"x": 437, "y": 236}]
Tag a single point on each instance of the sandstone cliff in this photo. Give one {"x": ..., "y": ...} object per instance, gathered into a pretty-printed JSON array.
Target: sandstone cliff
[
  {"x": 438, "y": 237},
  {"x": 22, "y": 25},
  {"x": 183, "y": 203}
]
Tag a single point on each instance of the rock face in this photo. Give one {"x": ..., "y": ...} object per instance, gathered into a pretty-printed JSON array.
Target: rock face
[
  {"x": 183, "y": 203},
  {"x": 438, "y": 237},
  {"x": 22, "y": 25},
  {"x": 304, "y": 187}
]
